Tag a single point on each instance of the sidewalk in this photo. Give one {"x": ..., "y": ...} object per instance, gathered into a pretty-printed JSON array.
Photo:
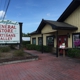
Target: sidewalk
[{"x": 48, "y": 67}]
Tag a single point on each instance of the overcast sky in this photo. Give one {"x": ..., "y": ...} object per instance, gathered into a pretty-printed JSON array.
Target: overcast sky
[{"x": 31, "y": 12}]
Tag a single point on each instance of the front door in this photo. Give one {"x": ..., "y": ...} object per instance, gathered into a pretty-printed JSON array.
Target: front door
[{"x": 62, "y": 39}]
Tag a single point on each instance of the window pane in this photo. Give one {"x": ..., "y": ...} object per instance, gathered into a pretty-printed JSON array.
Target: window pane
[
  {"x": 76, "y": 40},
  {"x": 40, "y": 41},
  {"x": 33, "y": 40},
  {"x": 50, "y": 41}
]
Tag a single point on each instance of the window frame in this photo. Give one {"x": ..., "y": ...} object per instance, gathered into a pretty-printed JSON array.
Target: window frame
[
  {"x": 72, "y": 38},
  {"x": 38, "y": 40},
  {"x": 33, "y": 39},
  {"x": 47, "y": 43}
]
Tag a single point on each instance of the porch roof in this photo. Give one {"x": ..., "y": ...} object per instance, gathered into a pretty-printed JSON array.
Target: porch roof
[
  {"x": 55, "y": 25},
  {"x": 34, "y": 32},
  {"x": 60, "y": 25}
]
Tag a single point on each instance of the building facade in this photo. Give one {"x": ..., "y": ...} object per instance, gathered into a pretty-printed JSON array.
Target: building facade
[{"x": 65, "y": 30}]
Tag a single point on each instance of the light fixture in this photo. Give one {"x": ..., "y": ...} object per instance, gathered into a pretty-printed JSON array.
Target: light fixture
[{"x": 68, "y": 35}]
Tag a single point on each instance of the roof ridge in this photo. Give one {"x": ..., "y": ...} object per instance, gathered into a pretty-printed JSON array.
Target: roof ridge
[{"x": 71, "y": 7}]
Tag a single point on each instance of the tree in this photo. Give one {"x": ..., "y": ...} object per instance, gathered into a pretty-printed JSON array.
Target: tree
[{"x": 25, "y": 35}]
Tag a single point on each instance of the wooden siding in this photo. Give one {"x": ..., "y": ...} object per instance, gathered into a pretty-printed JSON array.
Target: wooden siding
[
  {"x": 74, "y": 19},
  {"x": 47, "y": 29}
]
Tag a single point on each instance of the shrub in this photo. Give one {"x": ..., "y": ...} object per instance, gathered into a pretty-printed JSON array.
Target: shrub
[
  {"x": 12, "y": 46},
  {"x": 5, "y": 49},
  {"x": 77, "y": 53},
  {"x": 73, "y": 53},
  {"x": 46, "y": 48},
  {"x": 18, "y": 53},
  {"x": 0, "y": 54},
  {"x": 38, "y": 47},
  {"x": 31, "y": 46},
  {"x": 25, "y": 42}
]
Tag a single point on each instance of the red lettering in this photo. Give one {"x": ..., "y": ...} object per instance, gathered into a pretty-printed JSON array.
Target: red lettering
[
  {"x": 13, "y": 27},
  {"x": 8, "y": 26},
  {"x": 7, "y": 30},
  {"x": 7, "y": 35},
  {"x": 5, "y": 38}
]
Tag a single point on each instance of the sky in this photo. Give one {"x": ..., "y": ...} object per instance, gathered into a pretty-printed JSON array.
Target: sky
[{"x": 31, "y": 12}]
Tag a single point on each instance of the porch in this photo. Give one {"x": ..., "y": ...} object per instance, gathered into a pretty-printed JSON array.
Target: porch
[{"x": 61, "y": 32}]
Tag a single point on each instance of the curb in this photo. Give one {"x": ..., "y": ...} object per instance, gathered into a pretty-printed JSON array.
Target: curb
[{"x": 18, "y": 61}]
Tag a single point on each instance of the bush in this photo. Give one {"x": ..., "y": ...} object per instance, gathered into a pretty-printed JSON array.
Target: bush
[
  {"x": 0, "y": 54},
  {"x": 18, "y": 53},
  {"x": 30, "y": 46},
  {"x": 25, "y": 42},
  {"x": 5, "y": 49},
  {"x": 11, "y": 46},
  {"x": 38, "y": 47},
  {"x": 46, "y": 48},
  {"x": 73, "y": 53}
]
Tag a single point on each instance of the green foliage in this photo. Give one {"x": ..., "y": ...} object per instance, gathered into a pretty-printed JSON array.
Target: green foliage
[
  {"x": 0, "y": 54},
  {"x": 25, "y": 42},
  {"x": 11, "y": 46},
  {"x": 38, "y": 47},
  {"x": 5, "y": 49},
  {"x": 73, "y": 53},
  {"x": 47, "y": 49},
  {"x": 25, "y": 35},
  {"x": 31, "y": 47},
  {"x": 18, "y": 53}
]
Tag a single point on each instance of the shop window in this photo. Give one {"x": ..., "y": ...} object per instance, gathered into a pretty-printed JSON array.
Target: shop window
[
  {"x": 50, "y": 40},
  {"x": 33, "y": 40},
  {"x": 76, "y": 40},
  {"x": 39, "y": 40}
]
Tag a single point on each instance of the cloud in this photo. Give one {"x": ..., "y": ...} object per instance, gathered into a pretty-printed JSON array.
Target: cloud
[
  {"x": 2, "y": 13},
  {"x": 48, "y": 14}
]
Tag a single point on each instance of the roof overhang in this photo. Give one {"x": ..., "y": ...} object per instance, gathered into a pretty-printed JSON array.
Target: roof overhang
[
  {"x": 55, "y": 26},
  {"x": 73, "y": 5},
  {"x": 58, "y": 25}
]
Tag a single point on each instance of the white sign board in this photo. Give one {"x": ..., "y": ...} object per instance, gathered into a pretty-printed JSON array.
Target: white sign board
[{"x": 9, "y": 32}]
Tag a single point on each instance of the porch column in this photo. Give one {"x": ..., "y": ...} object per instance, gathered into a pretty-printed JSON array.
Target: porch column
[
  {"x": 57, "y": 44},
  {"x": 42, "y": 42}
]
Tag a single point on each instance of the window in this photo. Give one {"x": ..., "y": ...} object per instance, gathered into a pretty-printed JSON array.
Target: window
[
  {"x": 39, "y": 40},
  {"x": 76, "y": 40},
  {"x": 33, "y": 40},
  {"x": 50, "y": 40}
]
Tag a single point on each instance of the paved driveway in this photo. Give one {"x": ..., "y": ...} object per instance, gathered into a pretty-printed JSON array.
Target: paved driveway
[{"x": 48, "y": 67}]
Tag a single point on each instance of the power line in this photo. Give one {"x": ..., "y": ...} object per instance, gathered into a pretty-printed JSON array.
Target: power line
[{"x": 6, "y": 9}]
